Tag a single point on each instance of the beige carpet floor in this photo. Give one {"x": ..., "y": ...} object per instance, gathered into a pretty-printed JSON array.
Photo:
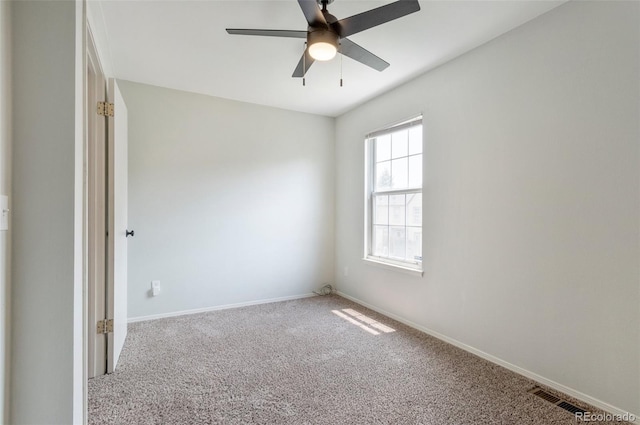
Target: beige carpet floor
[{"x": 321, "y": 360}]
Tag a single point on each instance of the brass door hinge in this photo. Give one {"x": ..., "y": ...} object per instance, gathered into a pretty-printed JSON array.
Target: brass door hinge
[
  {"x": 105, "y": 109},
  {"x": 105, "y": 326}
]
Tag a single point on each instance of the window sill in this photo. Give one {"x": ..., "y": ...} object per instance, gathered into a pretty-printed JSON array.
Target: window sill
[{"x": 394, "y": 267}]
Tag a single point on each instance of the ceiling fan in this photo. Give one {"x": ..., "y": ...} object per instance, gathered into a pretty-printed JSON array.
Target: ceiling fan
[{"x": 326, "y": 34}]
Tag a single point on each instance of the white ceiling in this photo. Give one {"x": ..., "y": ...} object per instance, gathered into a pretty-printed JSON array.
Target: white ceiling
[{"x": 184, "y": 45}]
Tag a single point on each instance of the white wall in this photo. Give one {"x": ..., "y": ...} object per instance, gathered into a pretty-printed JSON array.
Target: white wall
[
  {"x": 230, "y": 202},
  {"x": 47, "y": 122},
  {"x": 531, "y": 231},
  {"x": 5, "y": 189}
]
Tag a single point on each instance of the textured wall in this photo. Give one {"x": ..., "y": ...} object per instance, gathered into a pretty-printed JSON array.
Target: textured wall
[
  {"x": 230, "y": 202},
  {"x": 531, "y": 200},
  {"x": 47, "y": 176}
]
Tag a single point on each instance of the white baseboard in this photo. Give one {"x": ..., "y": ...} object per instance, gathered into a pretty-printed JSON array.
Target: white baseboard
[
  {"x": 218, "y": 307},
  {"x": 517, "y": 369}
]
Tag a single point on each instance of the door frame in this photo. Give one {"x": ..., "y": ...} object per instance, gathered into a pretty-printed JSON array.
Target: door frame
[{"x": 95, "y": 209}]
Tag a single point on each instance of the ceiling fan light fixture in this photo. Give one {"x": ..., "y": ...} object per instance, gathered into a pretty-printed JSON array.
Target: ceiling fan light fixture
[
  {"x": 323, "y": 44},
  {"x": 322, "y": 51}
]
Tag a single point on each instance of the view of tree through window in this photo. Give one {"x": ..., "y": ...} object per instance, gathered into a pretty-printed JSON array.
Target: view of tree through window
[{"x": 395, "y": 188}]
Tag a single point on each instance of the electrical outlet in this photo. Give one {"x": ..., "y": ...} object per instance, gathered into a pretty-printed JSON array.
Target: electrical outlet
[{"x": 155, "y": 287}]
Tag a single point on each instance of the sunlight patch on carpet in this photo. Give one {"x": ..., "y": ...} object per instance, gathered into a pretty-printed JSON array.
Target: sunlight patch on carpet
[{"x": 362, "y": 321}]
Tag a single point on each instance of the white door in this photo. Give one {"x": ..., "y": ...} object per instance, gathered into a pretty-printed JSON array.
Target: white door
[{"x": 117, "y": 225}]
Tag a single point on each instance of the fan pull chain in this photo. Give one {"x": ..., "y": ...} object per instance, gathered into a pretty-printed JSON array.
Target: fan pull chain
[
  {"x": 341, "y": 55},
  {"x": 304, "y": 65}
]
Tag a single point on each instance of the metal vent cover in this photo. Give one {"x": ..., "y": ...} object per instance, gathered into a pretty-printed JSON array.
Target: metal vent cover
[
  {"x": 555, "y": 400},
  {"x": 545, "y": 395},
  {"x": 571, "y": 408}
]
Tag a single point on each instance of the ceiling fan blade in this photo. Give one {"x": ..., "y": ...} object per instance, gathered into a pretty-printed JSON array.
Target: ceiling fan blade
[
  {"x": 268, "y": 33},
  {"x": 312, "y": 12},
  {"x": 374, "y": 17},
  {"x": 305, "y": 62},
  {"x": 362, "y": 55}
]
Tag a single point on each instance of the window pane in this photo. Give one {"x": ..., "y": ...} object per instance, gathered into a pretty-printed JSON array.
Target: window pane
[
  {"x": 383, "y": 175},
  {"x": 397, "y": 209},
  {"x": 397, "y": 242},
  {"x": 414, "y": 209},
  {"x": 415, "y": 171},
  {"x": 395, "y": 213},
  {"x": 415, "y": 139},
  {"x": 400, "y": 173},
  {"x": 380, "y": 243},
  {"x": 383, "y": 148},
  {"x": 414, "y": 243},
  {"x": 381, "y": 210},
  {"x": 399, "y": 144}
]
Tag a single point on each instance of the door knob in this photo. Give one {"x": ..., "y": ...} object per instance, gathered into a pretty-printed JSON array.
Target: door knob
[{"x": 129, "y": 233}]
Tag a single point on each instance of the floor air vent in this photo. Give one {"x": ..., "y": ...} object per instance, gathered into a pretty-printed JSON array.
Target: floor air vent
[
  {"x": 571, "y": 408},
  {"x": 545, "y": 395},
  {"x": 555, "y": 400}
]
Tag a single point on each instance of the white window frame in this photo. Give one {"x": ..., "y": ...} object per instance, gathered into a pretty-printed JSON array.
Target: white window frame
[{"x": 411, "y": 267}]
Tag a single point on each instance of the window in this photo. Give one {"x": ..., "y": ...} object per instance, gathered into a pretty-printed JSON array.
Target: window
[{"x": 394, "y": 195}]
